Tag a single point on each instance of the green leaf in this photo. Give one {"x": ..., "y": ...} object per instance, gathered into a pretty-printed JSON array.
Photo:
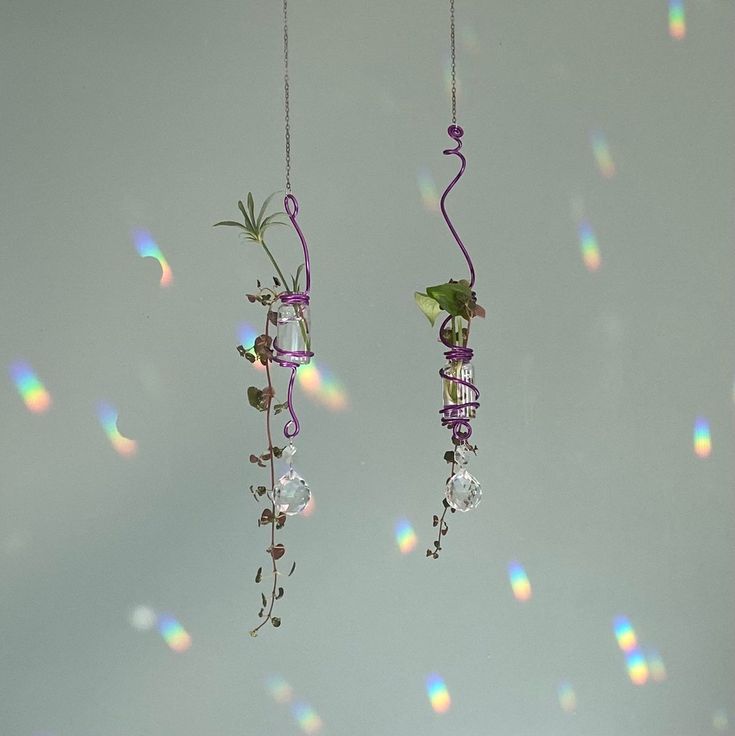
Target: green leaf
[
  {"x": 429, "y": 306},
  {"x": 255, "y": 397},
  {"x": 251, "y": 207},
  {"x": 250, "y": 226},
  {"x": 263, "y": 208},
  {"x": 259, "y": 575},
  {"x": 295, "y": 279},
  {"x": 271, "y": 220},
  {"x": 455, "y": 297},
  {"x": 276, "y": 621},
  {"x": 231, "y": 223}
]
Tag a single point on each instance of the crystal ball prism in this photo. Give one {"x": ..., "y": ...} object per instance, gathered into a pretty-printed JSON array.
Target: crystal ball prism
[
  {"x": 463, "y": 491},
  {"x": 291, "y": 493}
]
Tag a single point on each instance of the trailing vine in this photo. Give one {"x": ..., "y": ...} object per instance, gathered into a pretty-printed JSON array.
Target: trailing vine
[{"x": 262, "y": 351}]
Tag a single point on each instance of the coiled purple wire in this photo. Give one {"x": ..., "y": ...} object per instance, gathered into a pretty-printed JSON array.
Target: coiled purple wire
[
  {"x": 285, "y": 358},
  {"x": 451, "y": 413}
]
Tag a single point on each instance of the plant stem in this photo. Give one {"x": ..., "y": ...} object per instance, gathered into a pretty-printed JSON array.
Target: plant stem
[
  {"x": 273, "y": 488},
  {"x": 275, "y": 265}
]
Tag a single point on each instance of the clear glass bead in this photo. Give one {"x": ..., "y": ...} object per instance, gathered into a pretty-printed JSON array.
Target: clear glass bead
[
  {"x": 291, "y": 493},
  {"x": 463, "y": 491},
  {"x": 461, "y": 455},
  {"x": 455, "y": 394},
  {"x": 288, "y": 453},
  {"x": 293, "y": 331}
]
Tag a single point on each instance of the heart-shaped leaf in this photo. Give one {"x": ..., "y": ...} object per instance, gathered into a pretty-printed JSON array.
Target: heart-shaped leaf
[{"x": 430, "y": 307}]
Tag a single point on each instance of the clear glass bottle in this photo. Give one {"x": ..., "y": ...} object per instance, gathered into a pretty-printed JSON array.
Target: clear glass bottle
[
  {"x": 454, "y": 394},
  {"x": 293, "y": 331}
]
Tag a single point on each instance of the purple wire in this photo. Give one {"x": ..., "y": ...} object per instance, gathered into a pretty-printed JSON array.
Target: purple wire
[
  {"x": 452, "y": 413},
  {"x": 291, "y": 205},
  {"x": 286, "y": 358},
  {"x": 456, "y": 133}
]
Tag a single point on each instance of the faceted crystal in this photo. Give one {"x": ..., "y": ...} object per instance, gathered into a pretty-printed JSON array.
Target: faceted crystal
[
  {"x": 293, "y": 331},
  {"x": 288, "y": 452},
  {"x": 291, "y": 493},
  {"x": 463, "y": 491},
  {"x": 461, "y": 455}
]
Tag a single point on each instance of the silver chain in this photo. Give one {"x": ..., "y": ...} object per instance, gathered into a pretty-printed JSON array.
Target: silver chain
[
  {"x": 285, "y": 95},
  {"x": 454, "y": 62}
]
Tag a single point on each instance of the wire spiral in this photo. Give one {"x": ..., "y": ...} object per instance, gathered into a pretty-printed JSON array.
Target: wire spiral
[
  {"x": 457, "y": 416},
  {"x": 298, "y": 300}
]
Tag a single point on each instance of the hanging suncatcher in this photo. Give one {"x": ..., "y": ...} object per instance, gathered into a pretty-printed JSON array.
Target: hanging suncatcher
[
  {"x": 455, "y": 302},
  {"x": 287, "y": 309}
]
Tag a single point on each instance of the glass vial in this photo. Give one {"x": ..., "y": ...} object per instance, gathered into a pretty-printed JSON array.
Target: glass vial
[
  {"x": 293, "y": 331},
  {"x": 455, "y": 394}
]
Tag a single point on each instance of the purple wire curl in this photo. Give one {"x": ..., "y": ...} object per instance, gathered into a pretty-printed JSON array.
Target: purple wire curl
[
  {"x": 456, "y": 133},
  {"x": 452, "y": 414},
  {"x": 289, "y": 358}
]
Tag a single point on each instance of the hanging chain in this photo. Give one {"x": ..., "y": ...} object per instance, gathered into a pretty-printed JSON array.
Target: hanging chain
[
  {"x": 285, "y": 96},
  {"x": 454, "y": 62}
]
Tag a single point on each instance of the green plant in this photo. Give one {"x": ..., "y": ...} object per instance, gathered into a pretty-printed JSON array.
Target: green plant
[
  {"x": 456, "y": 304},
  {"x": 263, "y": 399}
]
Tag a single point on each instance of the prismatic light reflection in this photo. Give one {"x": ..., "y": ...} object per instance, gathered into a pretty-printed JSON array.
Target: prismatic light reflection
[
  {"x": 107, "y": 416},
  {"x": 589, "y": 247},
  {"x": 35, "y": 396},
  {"x": 519, "y": 582},
  {"x": 427, "y": 189},
  {"x": 656, "y": 666},
  {"x": 307, "y": 718},
  {"x": 635, "y": 661},
  {"x": 677, "y": 20},
  {"x": 321, "y": 385},
  {"x": 147, "y": 248},
  {"x": 637, "y": 667},
  {"x": 173, "y": 633},
  {"x": 625, "y": 634},
  {"x": 702, "y": 438},
  {"x": 246, "y": 335},
  {"x": 438, "y": 694},
  {"x": 405, "y": 536},
  {"x": 279, "y": 689},
  {"x": 603, "y": 157},
  {"x": 567, "y": 697}
]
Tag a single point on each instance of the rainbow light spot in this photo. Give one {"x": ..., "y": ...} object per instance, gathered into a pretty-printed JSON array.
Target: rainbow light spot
[
  {"x": 279, "y": 689},
  {"x": 625, "y": 634},
  {"x": 567, "y": 697},
  {"x": 37, "y": 399},
  {"x": 246, "y": 335},
  {"x": 637, "y": 667},
  {"x": 147, "y": 248},
  {"x": 702, "y": 438},
  {"x": 107, "y": 416},
  {"x": 720, "y": 720},
  {"x": 519, "y": 582},
  {"x": 588, "y": 244},
  {"x": 405, "y": 536},
  {"x": 174, "y": 633},
  {"x": 319, "y": 383},
  {"x": 438, "y": 694},
  {"x": 677, "y": 20},
  {"x": 307, "y": 718},
  {"x": 428, "y": 190},
  {"x": 605, "y": 164},
  {"x": 656, "y": 666}
]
